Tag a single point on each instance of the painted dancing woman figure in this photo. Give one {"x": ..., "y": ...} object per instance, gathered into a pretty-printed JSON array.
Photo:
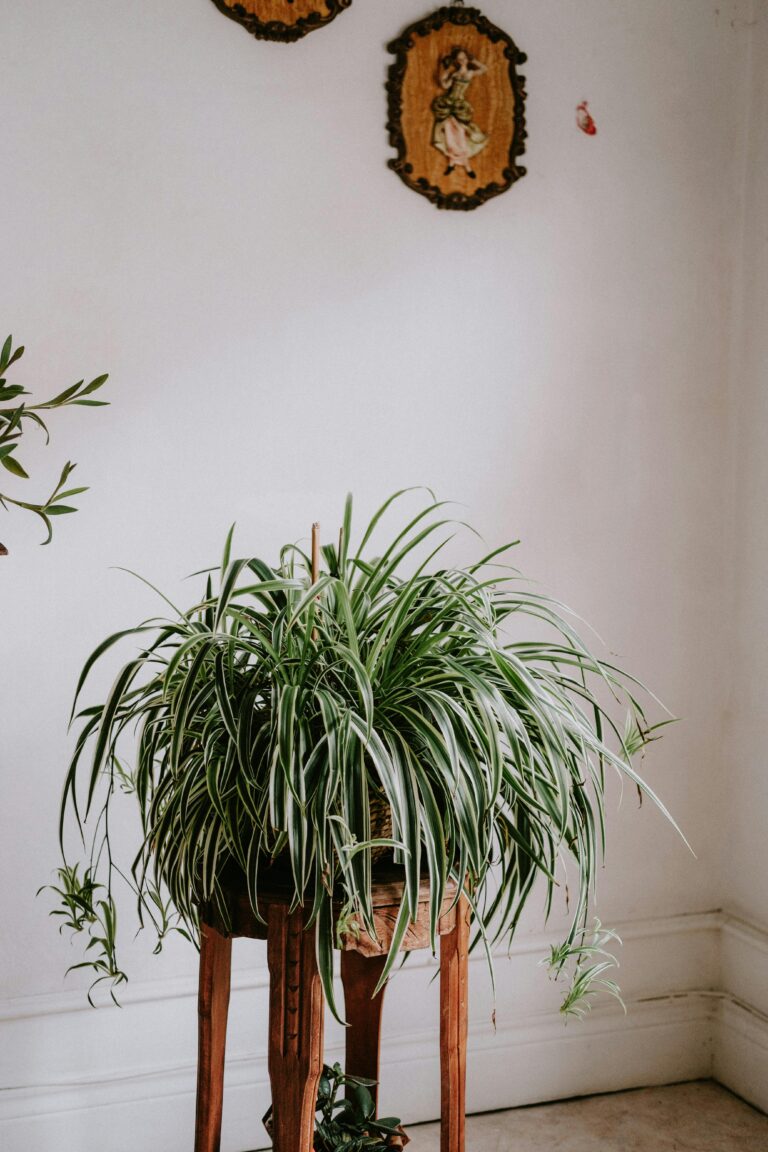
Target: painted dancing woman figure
[{"x": 455, "y": 133}]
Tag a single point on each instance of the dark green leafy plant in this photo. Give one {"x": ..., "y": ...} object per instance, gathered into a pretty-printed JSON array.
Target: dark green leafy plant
[
  {"x": 14, "y": 416},
  {"x": 346, "y": 1117},
  {"x": 273, "y": 714}
]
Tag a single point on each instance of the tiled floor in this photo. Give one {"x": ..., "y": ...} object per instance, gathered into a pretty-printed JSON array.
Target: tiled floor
[{"x": 700, "y": 1117}]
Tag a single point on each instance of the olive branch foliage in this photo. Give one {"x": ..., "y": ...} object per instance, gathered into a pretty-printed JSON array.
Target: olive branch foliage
[
  {"x": 13, "y": 418},
  {"x": 264, "y": 721}
]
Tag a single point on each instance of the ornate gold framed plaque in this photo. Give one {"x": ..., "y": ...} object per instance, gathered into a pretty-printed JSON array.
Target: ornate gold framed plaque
[
  {"x": 285, "y": 20},
  {"x": 456, "y": 108}
]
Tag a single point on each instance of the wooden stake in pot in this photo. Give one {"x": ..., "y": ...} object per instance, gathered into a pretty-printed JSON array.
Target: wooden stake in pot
[
  {"x": 315, "y": 561},
  {"x": 315, "y": 552}
]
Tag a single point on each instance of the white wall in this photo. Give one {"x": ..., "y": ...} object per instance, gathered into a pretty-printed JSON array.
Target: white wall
[
  {"x": 745, "y": 762},
  {"x": 211, "y": 220},
  {"x": 740, "y": 1063}
]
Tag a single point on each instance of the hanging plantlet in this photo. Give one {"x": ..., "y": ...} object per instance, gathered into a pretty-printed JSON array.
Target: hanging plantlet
[
  {"x": 456, "y": 108},
  {"x": 285, "y": 20}
]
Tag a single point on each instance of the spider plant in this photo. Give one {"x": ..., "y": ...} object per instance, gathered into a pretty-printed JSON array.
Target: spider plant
[{"x": 263, "y": 723}]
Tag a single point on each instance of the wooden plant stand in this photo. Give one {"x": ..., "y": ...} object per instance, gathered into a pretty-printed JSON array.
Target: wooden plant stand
[{"x": 296, "y": 1008}]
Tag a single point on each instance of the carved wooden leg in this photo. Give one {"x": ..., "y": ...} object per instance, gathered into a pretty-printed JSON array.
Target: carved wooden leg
[
  {"x": 295, "y": 1029},
  {"x": 212, "y": 1007},
  {"x": 454, "y": 956},
  {"x": 359, "y": 976}
]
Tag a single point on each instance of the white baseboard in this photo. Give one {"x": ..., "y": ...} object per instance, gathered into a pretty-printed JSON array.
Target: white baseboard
[
  {"x": 109, "y": 1081},
  {"x": 741, "y": 1055}
]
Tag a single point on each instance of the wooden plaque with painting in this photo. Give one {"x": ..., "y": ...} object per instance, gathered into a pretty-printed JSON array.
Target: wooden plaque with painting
[
  {"x": 284, "y": 20},
  {"x": 456, "y": 108}
]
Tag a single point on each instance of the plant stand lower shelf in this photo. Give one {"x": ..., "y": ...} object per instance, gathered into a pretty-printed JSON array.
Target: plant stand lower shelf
[{"x": 296, "y": 1008}]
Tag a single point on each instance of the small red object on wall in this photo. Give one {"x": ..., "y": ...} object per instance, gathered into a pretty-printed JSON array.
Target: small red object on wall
[{"x": 584, "y": 119}]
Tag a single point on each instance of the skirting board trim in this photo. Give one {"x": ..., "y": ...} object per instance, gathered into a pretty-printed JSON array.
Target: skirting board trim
[
  {"x": 419, "y": 1048},
  {"x": 666, "y": 1035},
  {"x": 741, "y": 1054},
  {"x": 56, "y": 1003}
]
